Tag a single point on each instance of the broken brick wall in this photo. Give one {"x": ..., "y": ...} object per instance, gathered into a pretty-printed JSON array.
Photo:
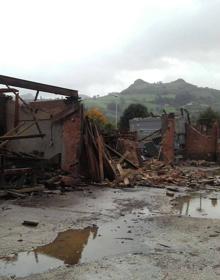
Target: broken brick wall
[
  {"x": 48, "y": 146},
  {"x": 71, "y": 143},
  {"x": 168, "y": 138},
  {"x": 202, "y": 146},
  {"x": 61, "y": 137},
  {"x": 131, "y": 148}
]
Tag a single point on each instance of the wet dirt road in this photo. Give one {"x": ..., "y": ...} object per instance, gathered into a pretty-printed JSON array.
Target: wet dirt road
[{"x": 106, "y": 234}]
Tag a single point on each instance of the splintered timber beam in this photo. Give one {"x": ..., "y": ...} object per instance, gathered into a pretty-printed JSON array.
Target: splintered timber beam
[
  {"x": 99, "y": 164},
  {"x": 27, "y": 106},
  {"x": 9, "y": 138},
  {"x": 6, "y": 90},
  {"x": 121, "y": 156},
  {"x": 37, "y": 86},
  {"x": 14, "y": 130},
  {"x": 16, "y": 171},
  {"x": 10, "y": 81}
]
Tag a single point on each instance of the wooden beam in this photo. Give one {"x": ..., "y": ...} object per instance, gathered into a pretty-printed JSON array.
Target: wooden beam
[
  {"x": 9, "y": 138},
  {"x": 17, "y": 111},
  {"x": 6, "y": 90},
  {"x": 15, "y": 171},
  {"x": 36, "y": 96},
  {"x": 121, "y": 156},
  {"x": 6, "y": 80},
  {"x": 9, "y": 133}
]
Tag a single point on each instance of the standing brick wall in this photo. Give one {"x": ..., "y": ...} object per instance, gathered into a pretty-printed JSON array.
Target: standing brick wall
[
  {"x": 71, "y": 143},
  {"x": 168, "y": 140},
  {"x": 201, "y": 146}
]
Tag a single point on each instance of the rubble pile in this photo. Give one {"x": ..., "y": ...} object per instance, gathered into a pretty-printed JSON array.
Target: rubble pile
[{"x": 155, "y": 173}]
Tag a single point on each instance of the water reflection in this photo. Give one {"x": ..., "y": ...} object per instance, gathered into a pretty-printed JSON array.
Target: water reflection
[
  {"x": 68, "y": 245},
  {"x": 67, "y": 248},
  {"x": 214, "y": 201},
  {"x": 121, "y": 236},
  {"x": 199, "y": 206}
]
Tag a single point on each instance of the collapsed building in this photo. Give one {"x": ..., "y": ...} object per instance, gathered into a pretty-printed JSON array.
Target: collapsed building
[
  {"x": 42, "y": 134},
  {"x": 173, "y": 137},
  {"x": 40, "y": 131}
]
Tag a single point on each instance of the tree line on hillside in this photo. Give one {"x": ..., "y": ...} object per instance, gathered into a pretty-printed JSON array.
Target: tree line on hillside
[{"x": 207, "y": 117}]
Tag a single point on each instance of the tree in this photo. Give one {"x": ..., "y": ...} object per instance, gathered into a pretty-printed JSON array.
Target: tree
[
  {"x": 132, "y": 111},
  {"x": 101, "y": 120},
  {"x": 208, "y": 117},
  {"x": 97, "y": 116}
]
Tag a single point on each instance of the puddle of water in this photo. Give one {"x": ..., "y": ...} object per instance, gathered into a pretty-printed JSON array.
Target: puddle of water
[
  {"x": 26, "y": 263},
  {"x": 80, "y": 246},
  {"x": 200, "y": 206}
]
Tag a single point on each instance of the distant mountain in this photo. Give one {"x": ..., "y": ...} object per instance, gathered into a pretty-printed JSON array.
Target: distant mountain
[
  {"x": 138, "y": 85},
  {"x": 158, "y": 96},
  {"x": 175, "y": 87}
]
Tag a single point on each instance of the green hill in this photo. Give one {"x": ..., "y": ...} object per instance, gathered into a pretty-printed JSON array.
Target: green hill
[{"x": 158, "y": 96}]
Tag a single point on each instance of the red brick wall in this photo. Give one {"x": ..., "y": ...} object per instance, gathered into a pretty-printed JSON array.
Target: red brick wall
[
  {"x": 201, "y": 146},
  {"x": 168, "y": 140},
  {"x": 71, "y": 143},
  {"x": 66, "y": 132},
  {"x": 127, "y": 145},
  {"x": 71, "y": 133},
  {"x": 53, "y": 107}
]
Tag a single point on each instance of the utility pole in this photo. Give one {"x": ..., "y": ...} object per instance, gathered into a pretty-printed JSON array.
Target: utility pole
[{"x": 116, "y": 112}]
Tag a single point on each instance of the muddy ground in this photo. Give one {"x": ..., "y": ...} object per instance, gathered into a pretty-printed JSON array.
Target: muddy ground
[{"x": 114, "y": 233}]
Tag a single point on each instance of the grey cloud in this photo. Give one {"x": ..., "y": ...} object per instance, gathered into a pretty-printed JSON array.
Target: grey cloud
[{"x": 191, "y": 36}]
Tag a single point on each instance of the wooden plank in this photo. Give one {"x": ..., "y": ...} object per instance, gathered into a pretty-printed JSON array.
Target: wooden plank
[
  {"x": 6, "y": 90},
  {"x": 17, "y": 137},
  {"x": 108, "y": 169},
  {"x": 9, "y": 133},
  {"x": 94, "y": 147},
  {"x": 36, "y": 96},
  {"x": 13, "y": 130},
  {"x": 123, "y": 174},
  {"x": 100, "y": 152},
  {"x": 17, "y": 111},
  {"x": 93, "y": 165},
  {"x": 16, "y": 194},
  {"x": 15, "y": 171},
  {"x": 126, "y": 181},
  {"x": 120, "y": 156},
  {"x": 124, "y": 156},
  {"x": 29, "y": 190},
  {"x": 37, "y": 86},
  {"x": 120, "y": 170}
]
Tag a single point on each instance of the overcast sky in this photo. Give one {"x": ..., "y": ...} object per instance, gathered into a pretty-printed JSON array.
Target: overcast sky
[{"x": 99, "y": 46}]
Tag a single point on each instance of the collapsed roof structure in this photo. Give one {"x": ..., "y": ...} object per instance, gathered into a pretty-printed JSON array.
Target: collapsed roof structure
[
  {"x": 39, "y": 134},
  {"x": 38, "y": 130}
]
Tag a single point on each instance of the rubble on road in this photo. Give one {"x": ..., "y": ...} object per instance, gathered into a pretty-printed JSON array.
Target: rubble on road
[{"x": 155, "y": 173}]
